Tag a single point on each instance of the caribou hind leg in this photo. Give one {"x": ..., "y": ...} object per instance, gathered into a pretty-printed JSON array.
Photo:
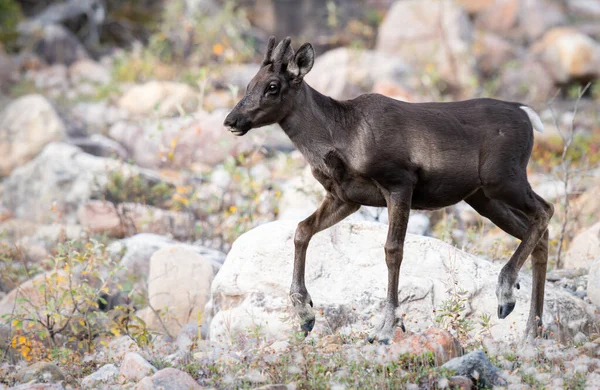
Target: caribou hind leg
[
  {"x": 526, "y": 228},
  {"x": 330, "y": 212}
]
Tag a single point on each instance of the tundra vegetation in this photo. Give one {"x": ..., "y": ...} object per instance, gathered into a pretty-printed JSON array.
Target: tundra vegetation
[{"x": 137, "y": 238}]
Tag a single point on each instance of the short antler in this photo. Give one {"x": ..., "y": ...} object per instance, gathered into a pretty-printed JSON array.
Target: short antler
[{"x": 267, "y": 60}]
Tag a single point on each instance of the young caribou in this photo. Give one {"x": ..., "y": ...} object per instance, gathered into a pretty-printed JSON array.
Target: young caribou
[{"x": 377, "y": 151}]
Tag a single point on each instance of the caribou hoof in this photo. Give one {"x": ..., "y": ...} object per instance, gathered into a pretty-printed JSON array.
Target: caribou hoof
[
  {"x": 505, "y": 309},
  {"x": 384, "y": 333},
  {"x": 307, "y": 326}
]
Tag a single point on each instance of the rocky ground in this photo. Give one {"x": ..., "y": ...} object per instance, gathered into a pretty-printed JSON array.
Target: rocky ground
[{"x": 143, "y": 246}]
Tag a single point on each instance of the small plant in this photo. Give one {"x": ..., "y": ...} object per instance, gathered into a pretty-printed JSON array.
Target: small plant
[
  {"x": 57, "y": 314},
  {"x": 450, "y": 315}
]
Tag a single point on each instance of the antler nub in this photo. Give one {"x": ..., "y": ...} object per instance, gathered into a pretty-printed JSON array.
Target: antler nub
[
  {"x": 280, "y": 51},
  {"x": 270, "y": 45}
]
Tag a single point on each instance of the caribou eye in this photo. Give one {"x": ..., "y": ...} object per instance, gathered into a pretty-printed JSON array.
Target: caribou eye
[{"x": 272, "y": 89}]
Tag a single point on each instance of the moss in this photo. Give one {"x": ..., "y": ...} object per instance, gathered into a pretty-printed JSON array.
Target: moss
[{"x": 10, "y": 15}]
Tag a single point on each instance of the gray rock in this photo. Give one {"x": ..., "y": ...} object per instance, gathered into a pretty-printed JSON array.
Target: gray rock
[
  {"x": 134, "y": 368},
  {"x": 62, "y": 178},
  {"x": 168, "y": 378},
  {"x": 100, "y": 146},
  {"x": 137, "y": 250},
  {"x": 487, "y": 374},
  {"x": 106, "y": 375},
  {"x": 59, "y": 45},
  {"x": 40, "y": 372}
]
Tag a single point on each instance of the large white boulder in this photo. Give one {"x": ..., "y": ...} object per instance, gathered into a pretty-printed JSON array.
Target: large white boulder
[
  {"x": 26, "y": 126},
  {"x": 347, "y": 279}
]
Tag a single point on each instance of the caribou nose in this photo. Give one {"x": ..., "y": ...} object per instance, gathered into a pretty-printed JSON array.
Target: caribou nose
[{"x": 230, "y": 121}]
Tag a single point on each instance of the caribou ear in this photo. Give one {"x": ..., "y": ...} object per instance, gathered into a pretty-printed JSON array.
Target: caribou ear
[{"x": 303, "y": 61}]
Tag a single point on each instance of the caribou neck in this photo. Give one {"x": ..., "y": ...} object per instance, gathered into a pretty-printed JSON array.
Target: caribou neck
[{"x": 316, "y": 123}]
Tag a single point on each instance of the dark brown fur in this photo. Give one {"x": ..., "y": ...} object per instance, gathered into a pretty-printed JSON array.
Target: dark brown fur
[{"x": 377, "y": 151}]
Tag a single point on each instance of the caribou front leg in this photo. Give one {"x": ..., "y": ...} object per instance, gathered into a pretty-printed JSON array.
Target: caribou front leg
[
  {"x": 330, "y": 212},
  {"x": 398, "y": 204}
]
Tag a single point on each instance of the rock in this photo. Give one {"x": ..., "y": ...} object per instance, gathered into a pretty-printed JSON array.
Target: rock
[
  {"x": 539, "y": 16},
  {"x": 526, "y": 81},
  {"x": 300, "y": 197},
  {"x": 345, "y": 73},
  {"x": 30, "y": 293},
  {"x": 178, "y": 284},
  {"x": 134, "y": 368},
  {"x": 476, "y": 6},
  {"x": 121, "y": 346},
  {"x": 585, "y": 8},
  {"x": 100, "y": 146},
  {"x": 137, "y": 250},
  {"x": 59, "y": 180},
  {"x": 90, "y": 72},
  {"x": 593, "y": 287},
  {"x": 40, "y": 372},
  {"x": 476, "y": 365},
  {"x": 501, "y": 17},
  {"x": 346, "y": 277},
  {"x": 27, "y": 125},
  {"x": 460, "y": 383},
  {"x": 584, "y": 249},
  {"x": 52, "y": 79},
  {"x": 160, "y": 98},
  {"x": 187, "y": 337},
  {"x": 568, "y": 54},
  {"x": 437, "y": 341},
  {"x": 106, "y": 375},
  {"x": 168, "y": 378},
  {"x": 492, "y": 52},
  {"x": 8, "y": 70},
  {"x": 586, "y": 206},
  {"x": 98, "y": 116},
  {"x": 434, "y": 34},
  {"x": 39, "y": 386},
  {"x": 59, "y": 45},
  {"x": 99, "y": 217}
]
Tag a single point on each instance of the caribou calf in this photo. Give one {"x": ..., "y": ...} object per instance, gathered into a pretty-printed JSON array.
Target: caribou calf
[{"x": 377, "y": 151}]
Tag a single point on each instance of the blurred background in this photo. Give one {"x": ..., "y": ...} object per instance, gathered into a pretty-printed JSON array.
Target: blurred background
[
  {"x": 97, "y": 92},
  {"x": 111, "y": 117}
]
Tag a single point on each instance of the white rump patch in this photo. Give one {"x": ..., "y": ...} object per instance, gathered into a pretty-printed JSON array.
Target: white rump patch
[{"x": 536, "y": 122}]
